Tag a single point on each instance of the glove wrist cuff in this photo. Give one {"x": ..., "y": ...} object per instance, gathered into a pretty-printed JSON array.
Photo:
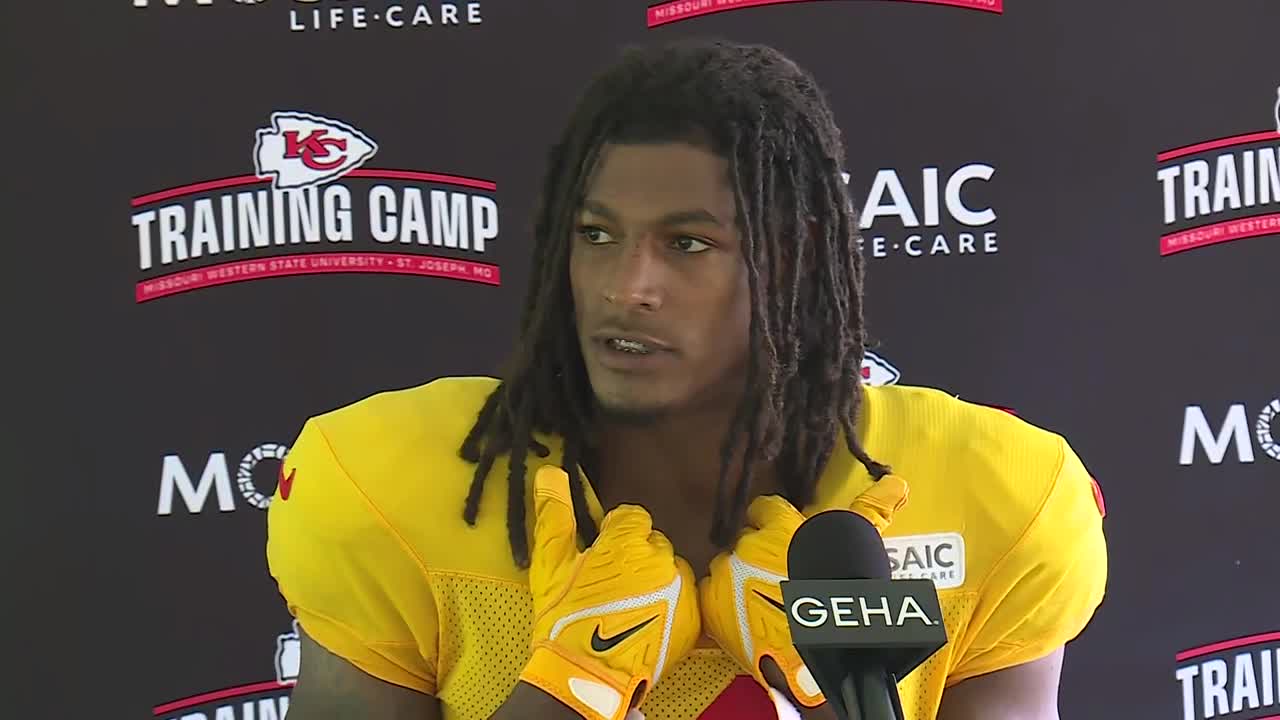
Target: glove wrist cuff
[{"x": 592, "y": 689}]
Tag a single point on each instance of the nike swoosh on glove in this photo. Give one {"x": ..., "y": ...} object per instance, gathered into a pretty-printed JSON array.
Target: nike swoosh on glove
[
  {"x": 741, "y": 601},
  {"x": 608, "y": 621}
]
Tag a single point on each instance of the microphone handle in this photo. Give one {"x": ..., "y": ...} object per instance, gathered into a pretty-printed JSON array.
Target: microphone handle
[
  {"x": 875, "y": 694},
  {"x": 849, "y": 697}
]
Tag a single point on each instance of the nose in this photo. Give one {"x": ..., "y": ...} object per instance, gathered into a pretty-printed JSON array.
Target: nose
[{"x": 635, "y": 280}]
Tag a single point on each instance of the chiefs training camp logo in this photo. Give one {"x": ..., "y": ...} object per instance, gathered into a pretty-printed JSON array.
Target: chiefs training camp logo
[
  {"x": 268, "y": 700},
  {"x": 310, "y": 15},
  {"x": 313, "y": 206},
  {"x": 1221, "y": 190},
  {"x": 1234, "y": 679},
  {"x": 670, "y": 11}
]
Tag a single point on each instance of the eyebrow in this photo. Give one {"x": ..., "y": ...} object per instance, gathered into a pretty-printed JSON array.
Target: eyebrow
[{"x": 678, "y": 217}]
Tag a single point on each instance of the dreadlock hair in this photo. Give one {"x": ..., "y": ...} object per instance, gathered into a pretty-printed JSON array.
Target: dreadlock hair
[{"x": 768, "y": 118}]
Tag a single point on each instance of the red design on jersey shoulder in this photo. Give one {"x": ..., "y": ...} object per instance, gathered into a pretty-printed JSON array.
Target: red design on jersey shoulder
[
  {"x": 286, "y": 483},
  {"x": 1097, "y": 497}
]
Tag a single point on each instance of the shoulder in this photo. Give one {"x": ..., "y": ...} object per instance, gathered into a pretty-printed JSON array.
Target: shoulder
[
  {"x": 389, "y": 465},
  {"x": 905, "y": 418},
  {"x": 959, "y": 448},
  {"x": 360, "y": 520},
  {"x": 982, "y": 475},
  {"x": 438, "y": 411},
  {"x": 1027, "y": 557}
]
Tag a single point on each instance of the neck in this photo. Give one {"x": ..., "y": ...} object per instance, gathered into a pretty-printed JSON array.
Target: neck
[{"x": 673, "y": 462}]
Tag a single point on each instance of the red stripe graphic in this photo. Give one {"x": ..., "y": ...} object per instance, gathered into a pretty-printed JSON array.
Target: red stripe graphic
[
  {"x": 201, "y": 187},
  {"x": 196, "y": 188},
  {"x": 1228, "y": 645},
  {"x": 286, "y": 265},
  {"x": 676, "y": 10},
  {"x": 1220, "y": 232},
  {"x": 424, "y": 177},
  {"x": 1207, "y": 145},
  {"x": 218, "y": 695}
]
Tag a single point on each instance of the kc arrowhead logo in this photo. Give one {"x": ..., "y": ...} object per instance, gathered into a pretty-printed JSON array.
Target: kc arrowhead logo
[
  {"x": 301, "y": 150},
  {"x": 877, "y": 371}
]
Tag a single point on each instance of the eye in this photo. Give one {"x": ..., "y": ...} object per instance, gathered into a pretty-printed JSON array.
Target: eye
[
  {"x": 691, "y": 245},
  {"x": 593, "y": 235}
]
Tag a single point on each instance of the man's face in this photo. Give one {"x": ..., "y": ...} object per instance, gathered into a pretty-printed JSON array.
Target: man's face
[{"x": 659, "y": 281}]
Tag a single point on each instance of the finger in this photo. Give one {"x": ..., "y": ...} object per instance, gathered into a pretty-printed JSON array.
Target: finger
[
  {"x": 627, "y": 520},
  {"x": 685, "y": 571},
  {"x": 689, "y": 590},
  {"x": 719, "y": 567},
  {"x": 773, "y": 510},
  {"x": 555, "y": 532},
  {"x": 661, "y": 544},
  {"x": 880, "y": 501}
]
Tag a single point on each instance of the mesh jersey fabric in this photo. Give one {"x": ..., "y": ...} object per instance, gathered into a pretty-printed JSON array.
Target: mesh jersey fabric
[{"x": 373, "y": 558}]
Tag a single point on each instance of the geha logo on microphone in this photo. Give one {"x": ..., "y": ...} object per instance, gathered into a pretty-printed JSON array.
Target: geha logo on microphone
[{"x": 849, "y": 611}]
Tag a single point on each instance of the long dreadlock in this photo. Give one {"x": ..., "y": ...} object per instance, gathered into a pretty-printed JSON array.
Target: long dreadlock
[{"x": 768, "y": 117}]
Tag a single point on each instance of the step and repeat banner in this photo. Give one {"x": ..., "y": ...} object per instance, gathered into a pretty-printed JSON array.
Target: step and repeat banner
[{"x": 260, "y": 210}]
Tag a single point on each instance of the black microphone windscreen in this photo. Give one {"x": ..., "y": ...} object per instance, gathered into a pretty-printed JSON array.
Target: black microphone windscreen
[{"x": 837, "y": 544}]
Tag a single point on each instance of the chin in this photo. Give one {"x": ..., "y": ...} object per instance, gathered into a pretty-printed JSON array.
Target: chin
[{"x": 629, "y": 409}]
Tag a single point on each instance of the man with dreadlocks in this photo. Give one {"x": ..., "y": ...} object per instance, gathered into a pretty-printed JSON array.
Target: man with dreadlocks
[{"x": 601, "y": 533}]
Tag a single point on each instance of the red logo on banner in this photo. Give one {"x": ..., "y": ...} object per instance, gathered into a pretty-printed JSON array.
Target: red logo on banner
[
  {"x": 316, "y": 145},
  {"x": 303, "y": 150}
]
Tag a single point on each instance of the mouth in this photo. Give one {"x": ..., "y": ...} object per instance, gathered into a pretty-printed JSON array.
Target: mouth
[
  {"x": 632, "y": 343},
  {"x": 628, "y": 351},
  {"x": 627, "y": 345}
]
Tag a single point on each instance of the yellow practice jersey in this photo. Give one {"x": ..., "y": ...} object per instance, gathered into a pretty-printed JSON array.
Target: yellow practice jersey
[{"x": 367, "y": 543}]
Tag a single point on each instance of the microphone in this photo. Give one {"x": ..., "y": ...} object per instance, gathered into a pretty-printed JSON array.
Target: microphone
[{"x": 858, "y": 631}]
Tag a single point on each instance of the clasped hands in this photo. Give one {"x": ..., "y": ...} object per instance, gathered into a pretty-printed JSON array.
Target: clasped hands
[{"x": 610, "y": 620}]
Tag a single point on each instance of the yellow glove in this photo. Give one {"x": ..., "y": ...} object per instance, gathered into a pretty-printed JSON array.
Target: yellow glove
[
  {"x": 610, "y": 620},
  {"x": 741, "y": 601}
]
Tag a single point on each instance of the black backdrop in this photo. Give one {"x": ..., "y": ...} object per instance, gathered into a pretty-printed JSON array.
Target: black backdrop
[{"x": 1159, "y": 366}]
